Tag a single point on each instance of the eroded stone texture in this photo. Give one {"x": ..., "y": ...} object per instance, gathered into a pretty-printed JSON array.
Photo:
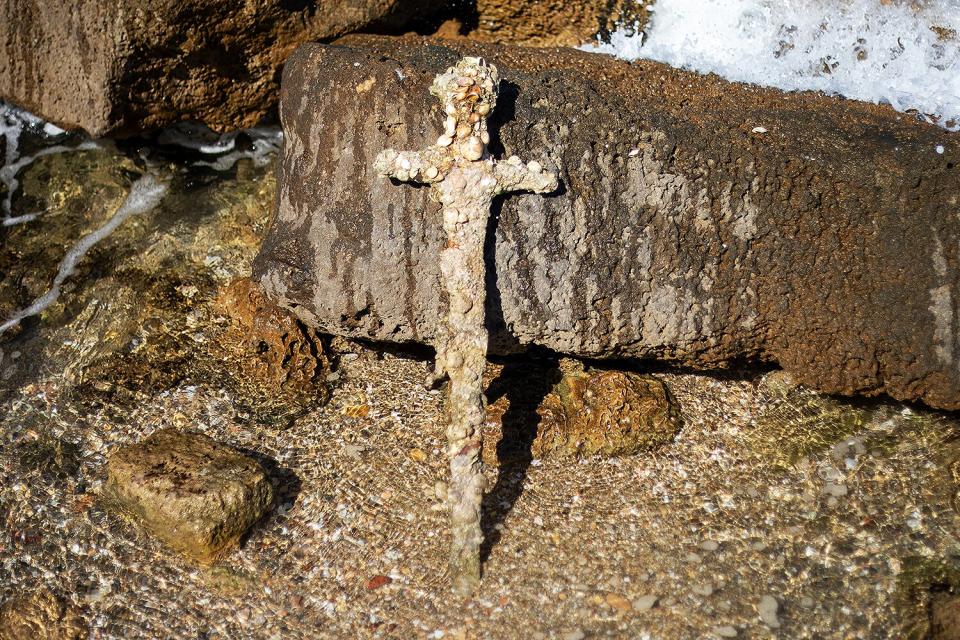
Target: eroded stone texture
[
  {"x": 111, "y": 67},
  {"x": 199, "y": 497},
  {"x": 41, "y": 615},
  {"x": 269, "y": 345},
  {"x": 698, "y": 221},
  {"x": 595, "y": 412},
  {"x": 548, "y": 23}
]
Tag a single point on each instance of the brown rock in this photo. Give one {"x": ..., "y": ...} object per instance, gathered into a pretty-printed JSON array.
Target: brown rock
[
  {"x": 197, "y": 496},
  {"x": 41, "y": 615},
  {"x": 618, "y": 602},
  {"x": 378, "y": 581},
  {"x": 827, "y": 244},
  {"x": 116, "y": 67},
  {"x": 610, "y": 413},
  {"x": 551, "y": 23},
  {"x": 945, "y": 617},
  {"x": 268, "y": 345}
]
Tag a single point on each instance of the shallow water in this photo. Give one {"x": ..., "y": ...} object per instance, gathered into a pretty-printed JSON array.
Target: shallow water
[{"x": 846, "y": 513}]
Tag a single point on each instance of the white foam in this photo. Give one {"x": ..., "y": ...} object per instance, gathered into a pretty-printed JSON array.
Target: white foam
[
  {"x": 13, "y": 121},
  {"x": 197, "y": 138},
  {"x": 861, "y": 49},
  {"x": 266, "y": 143},
  {"x": 145, "y": 194},
  {"x": 9, "y": 172},
  {"x": 51, "y": 129}
]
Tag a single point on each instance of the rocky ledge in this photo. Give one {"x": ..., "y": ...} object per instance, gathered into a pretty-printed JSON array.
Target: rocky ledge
[{"x": 698, "y": 221}]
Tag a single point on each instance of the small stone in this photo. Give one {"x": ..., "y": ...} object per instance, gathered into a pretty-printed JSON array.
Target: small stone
[
  {"x": 267, "y": 349},
  {"x": 645, "y": 603},
  {"x": 705, "y": 589},
  {"x": 725, "y": 631},
  {"x": 41, "y": 615},
  {"x": 767, "y": 608},
  {"x": 806, "y": 602},
  {"x": 534, "y": 166},
  {"x": 709, "y": 545},
  {"x": 440, "y": 490},
  {"x": 378, "y": 581},
  {"x": 418, "y": 455},
  {"x": 576, "y": 634},
  {"x": 618, "y": 602},
  {"x": 194, "y": 494},
  {"x": 595, "y": 412}
]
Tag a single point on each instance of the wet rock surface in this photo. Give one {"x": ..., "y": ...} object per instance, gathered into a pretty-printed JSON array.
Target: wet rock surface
[
  {"x": 121, "y": 67},
  {"x": 700, "y": 226},
  {"x": 269, "y": 347},
  {"x": 196, "y": 495},
  {"x": 545, "y": 23},
  {"x": 162, "y": 303},
  {"x": 539, "y": 411},
  {"x": 41, "y": 615}
]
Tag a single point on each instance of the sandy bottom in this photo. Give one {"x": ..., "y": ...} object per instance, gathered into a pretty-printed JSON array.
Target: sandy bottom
[{"x": 847, "y": 538}]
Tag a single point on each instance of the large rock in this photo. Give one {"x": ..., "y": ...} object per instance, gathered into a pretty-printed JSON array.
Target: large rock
[
  {"x": 698, "y": 221},
  {"x": 111, "y": 67},
  {"x": 198, "y": 496},
  {"x": 544, "y": 23}
]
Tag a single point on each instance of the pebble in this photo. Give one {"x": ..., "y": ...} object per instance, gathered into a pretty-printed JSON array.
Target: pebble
[
  {"x": 618, "y": 602},
  {"x": 705, "y": 589},
  {"x": 418, "y": 455},
  {"x": 768, "y": 611},
  {"x": 709, "y": 545},
  {"x": 645, "y": 603},
  {"x": 576, "y": 634},
  {"x": 378, "y": 581},
  {"x": 726, "y": 631}
]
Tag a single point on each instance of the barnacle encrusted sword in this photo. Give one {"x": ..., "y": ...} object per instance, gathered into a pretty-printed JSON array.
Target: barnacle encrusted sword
[{"x": 465, "y": 180}]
